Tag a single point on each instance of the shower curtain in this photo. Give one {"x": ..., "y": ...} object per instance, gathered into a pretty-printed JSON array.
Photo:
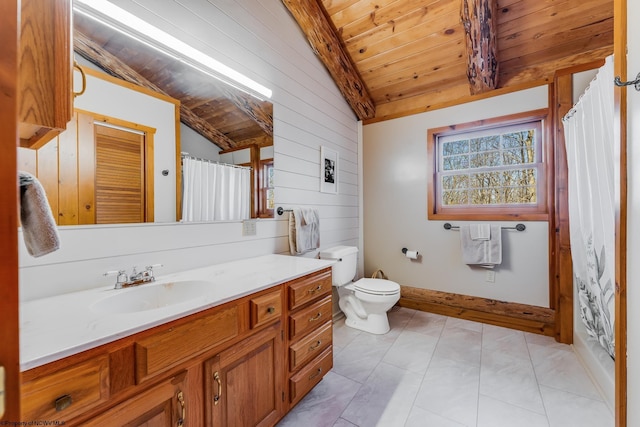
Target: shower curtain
[
  {"x": 589, "y": 142},
  {"x": 214, "y": 192}
]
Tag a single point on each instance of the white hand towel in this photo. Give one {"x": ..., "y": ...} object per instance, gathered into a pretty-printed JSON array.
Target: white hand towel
[
  {"x": 480, "y": 231},
  {"x": 485, "y": 253},
  {"x": 304, "y": 230},
  {"x": 39, "y": 229}
]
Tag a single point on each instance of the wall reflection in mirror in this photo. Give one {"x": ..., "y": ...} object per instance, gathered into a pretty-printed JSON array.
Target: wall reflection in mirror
[{"x": 131, "y": 170}]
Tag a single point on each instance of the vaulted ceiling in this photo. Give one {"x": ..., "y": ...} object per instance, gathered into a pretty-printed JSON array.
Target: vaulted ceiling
[
  {"x": 410, "y": 56},
  {"x": 389, "y": 58},
  {"x": 220, "y": 113}
]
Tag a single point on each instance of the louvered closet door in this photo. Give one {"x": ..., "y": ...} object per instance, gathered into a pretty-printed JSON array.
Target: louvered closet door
[{"x": 120, "y": 195}]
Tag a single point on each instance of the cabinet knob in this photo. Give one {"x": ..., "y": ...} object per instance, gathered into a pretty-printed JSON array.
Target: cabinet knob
[
  {"x": 84, "y": 79},
  {"x": 271, "y": 310},
  {"x": 316, "y": 317},
  {"x": 316, "y": 345},
  {"x": 315, "y": 374},
  {"x": 63, "y": 402},
  {"x": 183, "y": 407},
  {"x": 316, "y": 289},
  {"x": 216, "y": 397}
]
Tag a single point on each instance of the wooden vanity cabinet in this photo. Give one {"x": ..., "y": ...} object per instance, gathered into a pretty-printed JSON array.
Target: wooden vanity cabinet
[
  {"x": 164, "y": 405},
  {"x": 46, "y": 79},
  {"x": 309, "y": 333},
  {"x": 49, "y": 396},
  {"x": 238, "y": 364},
  {"x": 243, "y": 385}
]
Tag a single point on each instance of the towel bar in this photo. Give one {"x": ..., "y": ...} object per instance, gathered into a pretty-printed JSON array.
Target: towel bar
[
  {"x": 518, "y": 227},
  {"x": 280, "y": 210}
]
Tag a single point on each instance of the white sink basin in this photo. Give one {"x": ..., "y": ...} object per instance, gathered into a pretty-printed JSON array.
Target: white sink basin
[{"x": 152, "y": 296}]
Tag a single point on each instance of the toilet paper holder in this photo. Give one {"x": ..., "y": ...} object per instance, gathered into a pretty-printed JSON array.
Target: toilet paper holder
[{"x": 410, "y": 254}]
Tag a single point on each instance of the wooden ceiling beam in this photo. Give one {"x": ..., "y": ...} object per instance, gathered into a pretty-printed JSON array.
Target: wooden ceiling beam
[
  {"x": 253, "y": 108},
  {"x": 479, "y": 19},
  {"x": 114, "y": 66},
  {"x": 314, "y": 22}
]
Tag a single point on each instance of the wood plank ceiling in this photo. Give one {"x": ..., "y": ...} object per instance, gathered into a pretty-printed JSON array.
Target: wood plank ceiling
[
  {"x": 411, "y": 57},
  {"x": 227, "y": 117},
  {"x": 389, "y": 58}
]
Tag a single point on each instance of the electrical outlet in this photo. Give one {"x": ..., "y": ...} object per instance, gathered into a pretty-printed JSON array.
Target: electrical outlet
[
  {"x": 249, "y": 228},
  {"x": 491, "y": 276}
]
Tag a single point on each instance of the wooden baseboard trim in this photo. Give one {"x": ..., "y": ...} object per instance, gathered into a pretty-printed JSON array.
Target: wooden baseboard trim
[{"x": 528, "y": 318}]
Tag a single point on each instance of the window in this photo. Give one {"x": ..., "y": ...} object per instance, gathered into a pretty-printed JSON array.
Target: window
[
  {"x": 494, "y": 169},
  {"x": 265, "y": 183}
]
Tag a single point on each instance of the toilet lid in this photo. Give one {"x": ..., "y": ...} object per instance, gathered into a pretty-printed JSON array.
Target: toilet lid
[{"x": 377, "y": 286}]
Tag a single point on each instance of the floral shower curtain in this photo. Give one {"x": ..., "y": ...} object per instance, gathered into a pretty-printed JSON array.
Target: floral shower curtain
[
  {"x": 589, "y": 142},
  {"x": 214, "y": 192}
]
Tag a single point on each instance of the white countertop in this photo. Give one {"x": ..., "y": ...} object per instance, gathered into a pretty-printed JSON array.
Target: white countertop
[{"x": 56, "y": 327}]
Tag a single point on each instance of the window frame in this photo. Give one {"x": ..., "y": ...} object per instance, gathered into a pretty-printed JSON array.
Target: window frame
[{"x": 537, "y": 212}]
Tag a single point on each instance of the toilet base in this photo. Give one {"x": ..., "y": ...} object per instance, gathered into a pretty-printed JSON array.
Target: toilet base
[{"x": 374, "y": 323}]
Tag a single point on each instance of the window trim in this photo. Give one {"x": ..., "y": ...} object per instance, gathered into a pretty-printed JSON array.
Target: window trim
[{"x": 539, "y": 212}]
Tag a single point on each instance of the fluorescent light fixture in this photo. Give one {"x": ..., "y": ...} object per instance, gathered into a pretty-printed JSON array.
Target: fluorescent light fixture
[{"x": 129, "y": 24}]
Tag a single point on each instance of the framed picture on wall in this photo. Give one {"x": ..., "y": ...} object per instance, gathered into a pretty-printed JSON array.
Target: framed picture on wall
[{"x": 328, "y": 170}]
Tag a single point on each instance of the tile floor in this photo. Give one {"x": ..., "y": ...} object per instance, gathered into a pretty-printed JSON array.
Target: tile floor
[{"x": 436, "y": 371}]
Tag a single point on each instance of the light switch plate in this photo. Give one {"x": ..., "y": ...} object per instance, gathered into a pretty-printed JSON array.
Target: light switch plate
[
  {"x": 249, "y": 227},
  {"x": 491, "y": 276}
]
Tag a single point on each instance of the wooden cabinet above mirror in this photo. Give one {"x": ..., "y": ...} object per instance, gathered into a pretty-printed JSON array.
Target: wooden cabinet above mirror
[{"x": 46, "y": 98}]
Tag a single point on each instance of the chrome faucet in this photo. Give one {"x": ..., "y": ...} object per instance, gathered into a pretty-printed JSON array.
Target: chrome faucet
[{"x": 135, "y": 278}]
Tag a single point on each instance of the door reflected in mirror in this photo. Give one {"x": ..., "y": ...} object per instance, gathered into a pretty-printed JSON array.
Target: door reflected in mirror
[{"x": 213, "y": 118}]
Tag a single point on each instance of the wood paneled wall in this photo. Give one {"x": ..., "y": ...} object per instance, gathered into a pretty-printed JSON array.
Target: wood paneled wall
[{"x": 94, "y": 174}]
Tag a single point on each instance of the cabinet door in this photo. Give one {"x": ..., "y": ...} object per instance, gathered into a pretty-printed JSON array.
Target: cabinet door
[
  {"x": 244, "y": 384},
  {"x": 46, "y": 55},
  {"x": 164, "y": 405}
]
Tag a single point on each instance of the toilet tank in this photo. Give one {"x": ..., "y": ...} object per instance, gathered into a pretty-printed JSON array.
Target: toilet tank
[{"x": 345, "y": 269}]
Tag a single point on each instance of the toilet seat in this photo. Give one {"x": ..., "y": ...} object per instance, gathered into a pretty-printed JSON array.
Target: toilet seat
[{"x": 377, "y": 287}]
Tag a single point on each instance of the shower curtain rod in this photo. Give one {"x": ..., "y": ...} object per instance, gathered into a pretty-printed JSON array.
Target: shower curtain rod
[{"x": 186, "y": 155}]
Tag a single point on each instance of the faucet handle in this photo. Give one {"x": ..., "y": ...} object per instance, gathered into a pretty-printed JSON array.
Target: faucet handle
[
  {"x": 148, "y": 271},
  {"x": 122, "y": 277},
  {"x": 114, "y": 272}
]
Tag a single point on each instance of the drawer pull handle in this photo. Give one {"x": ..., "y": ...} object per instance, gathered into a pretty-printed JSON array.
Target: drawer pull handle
[
  {"x": 315, "y": 374},
  {"x": 316, "y": 317},
  {"x": 271, "y": 310},
  {"x": 316, "y": 345},
  {"x": 183, "y": 408},
  {"x": 316, "y": 289},
  {"x": 63, "y": 402},
  {"x": 216, "y": 378},
  {"x": 84, "y": 79}
]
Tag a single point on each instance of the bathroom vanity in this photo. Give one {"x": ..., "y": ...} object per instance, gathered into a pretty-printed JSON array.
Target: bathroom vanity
[{"x": 242, "y": 354}]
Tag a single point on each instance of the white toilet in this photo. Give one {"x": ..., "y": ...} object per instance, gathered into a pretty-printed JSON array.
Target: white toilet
[{"x": 365, "y": 302}]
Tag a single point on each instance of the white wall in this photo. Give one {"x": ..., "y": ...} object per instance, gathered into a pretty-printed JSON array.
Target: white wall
[
  {"x": 196, "y": 145},
  {"x": 633, "y": 231},
  {"x": 395, "y": 211},
  {"x": 260, "y": 39}
]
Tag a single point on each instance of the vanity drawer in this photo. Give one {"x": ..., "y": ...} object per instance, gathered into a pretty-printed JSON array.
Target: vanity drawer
[
  {"x": 66, "y": 392},
  {"x": 265, "y": 309},
  {"x": 309, "y": 318},
  {"x": 309, "y": 288},
  {"x": 310, "y": 346},
  {"x": 306, "y": 379},
  {"x": 175, "y": 344}
]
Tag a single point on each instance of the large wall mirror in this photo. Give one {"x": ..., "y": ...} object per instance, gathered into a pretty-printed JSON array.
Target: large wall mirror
[{"x": 221, "y": 124}]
